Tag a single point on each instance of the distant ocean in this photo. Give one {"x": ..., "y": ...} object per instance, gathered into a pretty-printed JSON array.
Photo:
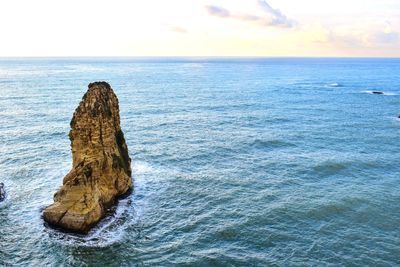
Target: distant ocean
[{"x": 236, "y": 162}]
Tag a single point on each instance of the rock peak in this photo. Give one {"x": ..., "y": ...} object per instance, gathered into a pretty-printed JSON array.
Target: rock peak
[
  {"x": 101, "y": 84},
  {"x": 101, "y": 166}
]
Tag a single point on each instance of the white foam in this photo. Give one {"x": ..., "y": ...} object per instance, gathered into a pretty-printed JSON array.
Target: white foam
[
  {"x": 109, "y": 231},
  {"x": 141, "y": 167},
  {"x": 84, "y": 68},
  {"x": 334, "y": 85}
]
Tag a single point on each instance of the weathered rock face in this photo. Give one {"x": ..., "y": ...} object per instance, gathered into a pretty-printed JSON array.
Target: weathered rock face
[{"x": 101, "y": 167}]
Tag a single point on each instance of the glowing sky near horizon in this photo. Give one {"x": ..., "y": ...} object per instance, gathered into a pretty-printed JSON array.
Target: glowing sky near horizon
[{"x": 200, "y": 28}]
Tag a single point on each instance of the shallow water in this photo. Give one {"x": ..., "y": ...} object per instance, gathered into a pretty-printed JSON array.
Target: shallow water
[{"x": 236, "y": 162}]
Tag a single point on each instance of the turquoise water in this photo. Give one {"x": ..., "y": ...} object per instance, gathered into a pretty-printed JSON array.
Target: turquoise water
[{"x": 236, "y": 162}]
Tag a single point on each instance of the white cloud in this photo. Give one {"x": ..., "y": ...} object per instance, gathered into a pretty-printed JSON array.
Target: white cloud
[
  {"x": 218, "y": 11},
  {"x": 270, "y": 17},
  {"x": 279, "y": 19}
]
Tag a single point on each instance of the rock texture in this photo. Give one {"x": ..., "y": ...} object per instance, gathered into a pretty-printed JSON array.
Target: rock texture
[{"x": 101, "y": 167}]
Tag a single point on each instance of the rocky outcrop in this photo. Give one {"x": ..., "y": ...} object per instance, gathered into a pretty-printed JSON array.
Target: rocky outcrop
[
  {"x": 101, "y": 167},
  {"x": 2, "y": 192}
]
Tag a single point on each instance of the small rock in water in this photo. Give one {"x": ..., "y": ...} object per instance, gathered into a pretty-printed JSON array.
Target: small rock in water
[
  {"x": 377, "y": 92},
  {"x": 2, "y": 192},
  {"x": 101, "y": 166}
]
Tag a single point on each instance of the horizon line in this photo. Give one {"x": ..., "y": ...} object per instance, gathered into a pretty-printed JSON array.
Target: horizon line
[{"x": 197, "y": 57}]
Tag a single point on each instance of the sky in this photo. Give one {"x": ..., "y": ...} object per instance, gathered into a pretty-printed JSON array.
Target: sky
[{"x": 313, "y": 28}]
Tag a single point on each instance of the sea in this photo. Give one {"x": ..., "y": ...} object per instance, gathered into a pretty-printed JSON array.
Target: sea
[{"x": 236, "y": 161}]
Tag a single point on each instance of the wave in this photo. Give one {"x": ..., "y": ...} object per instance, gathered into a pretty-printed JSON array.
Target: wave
[
  {"x": 141, "y": 167},
  {"x": 84, "y": 68},
  {"x": 330, "y": 167},
  {"x": 275, "y": 143},
  {"x": 110, "y": 230},
  {"x": 335, "y": 85},
  {"x": 335, "y": 207},
  {"x": 4, "y": 202}
]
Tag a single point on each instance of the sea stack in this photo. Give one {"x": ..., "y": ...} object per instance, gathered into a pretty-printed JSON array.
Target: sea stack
[{"x": 101, "y": 166}]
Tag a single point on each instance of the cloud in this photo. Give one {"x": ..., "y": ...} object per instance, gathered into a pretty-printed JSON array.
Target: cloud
[
  {"x": 385, "y": 37},
  {"x": 279, "y": 19},
  {"x": 178, "y": 29},
  {"x": 273, "y": 17},
  {"x": 218, "y": 11},
  {"x": 373, "y": 37}
]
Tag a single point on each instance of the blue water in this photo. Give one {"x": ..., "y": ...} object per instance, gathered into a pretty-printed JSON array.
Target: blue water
[{"x": 236, "y": 162}]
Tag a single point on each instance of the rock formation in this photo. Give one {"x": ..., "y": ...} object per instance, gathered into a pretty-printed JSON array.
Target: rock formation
[
  {"x": 378, "y": 92},
  {"x": 101, "y": 167},
  {"x": 2, "y": 192}
]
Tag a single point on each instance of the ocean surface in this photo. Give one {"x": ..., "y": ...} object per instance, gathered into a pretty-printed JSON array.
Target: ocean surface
[{"x": 236, "y": 162}]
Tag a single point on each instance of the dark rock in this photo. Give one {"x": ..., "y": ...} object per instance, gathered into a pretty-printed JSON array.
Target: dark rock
[{"x": 2, "y": 192}]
